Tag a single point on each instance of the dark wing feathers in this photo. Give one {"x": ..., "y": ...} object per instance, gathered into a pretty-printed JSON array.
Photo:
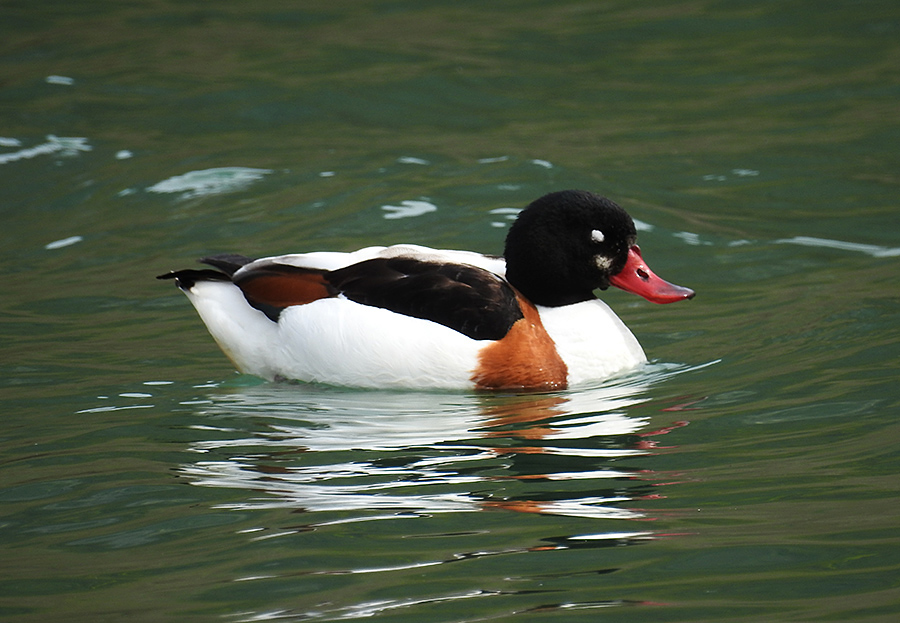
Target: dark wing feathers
[
  {"x": 228, "y": 263},
  {"x": 465, "y": 298},
  {"x": 468, "y": 299}
]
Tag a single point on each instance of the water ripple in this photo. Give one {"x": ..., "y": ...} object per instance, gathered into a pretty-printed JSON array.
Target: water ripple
[{"x": 333, "y": 451}]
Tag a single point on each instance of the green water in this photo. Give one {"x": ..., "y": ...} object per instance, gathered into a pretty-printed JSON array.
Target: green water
[{"x": 750, "y": 473}]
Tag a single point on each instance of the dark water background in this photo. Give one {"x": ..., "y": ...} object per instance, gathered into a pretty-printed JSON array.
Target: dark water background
[{"x": 750, "y": 473}]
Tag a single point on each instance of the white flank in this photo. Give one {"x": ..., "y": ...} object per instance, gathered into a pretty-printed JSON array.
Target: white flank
[
  {"x": 341, "y": 342},
  {"x": 335, "y": 341},
  {"x": 243, "y": 333}
]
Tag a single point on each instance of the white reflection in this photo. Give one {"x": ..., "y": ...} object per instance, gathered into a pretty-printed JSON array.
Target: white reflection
[
  {"x": 67, "y": 146},
  {"x": 408, "y": 209},
  {"x": 63, "y": 80},
  {"x": 209, "y": 181},
  {"x": 63, "y": 242},
  {"x": 323, "y": 449},
  {"x": 825, "y": 243}
]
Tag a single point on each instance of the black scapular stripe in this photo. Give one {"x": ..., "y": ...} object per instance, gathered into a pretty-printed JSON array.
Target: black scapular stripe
[
  {"x": 465, "y": 298},
  {"x": 468, "y": 299},
  {"x": 185, "y": 279}
]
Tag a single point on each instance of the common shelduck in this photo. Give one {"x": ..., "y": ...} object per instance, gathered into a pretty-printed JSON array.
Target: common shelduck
[{"x": 413, "y": 317}]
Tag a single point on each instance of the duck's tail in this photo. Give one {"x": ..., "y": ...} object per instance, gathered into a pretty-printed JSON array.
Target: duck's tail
[{"x": 226, "y": 264}]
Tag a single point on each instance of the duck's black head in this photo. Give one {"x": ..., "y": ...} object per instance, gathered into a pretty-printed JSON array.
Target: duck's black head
[{"x": 569, "y": 243}]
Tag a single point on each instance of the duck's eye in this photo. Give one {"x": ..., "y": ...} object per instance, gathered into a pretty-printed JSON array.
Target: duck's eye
[{"x": 597, "y": 236}]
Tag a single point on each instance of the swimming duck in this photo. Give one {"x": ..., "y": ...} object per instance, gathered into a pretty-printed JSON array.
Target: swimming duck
[{"x": 414, "y": 317}]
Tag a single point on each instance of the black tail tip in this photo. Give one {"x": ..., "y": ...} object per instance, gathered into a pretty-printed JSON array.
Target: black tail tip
[{"x": 186, "y": 279}]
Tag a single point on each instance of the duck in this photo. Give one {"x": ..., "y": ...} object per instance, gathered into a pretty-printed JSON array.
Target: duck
[{"x": 413, "y": 317}]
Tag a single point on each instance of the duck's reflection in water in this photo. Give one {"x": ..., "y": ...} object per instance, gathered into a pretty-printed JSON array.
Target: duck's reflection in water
[{"x": 364, "y": 455}]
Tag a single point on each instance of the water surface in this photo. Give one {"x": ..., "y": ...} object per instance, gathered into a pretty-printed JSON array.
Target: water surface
[{"x": 748, "y": 473}]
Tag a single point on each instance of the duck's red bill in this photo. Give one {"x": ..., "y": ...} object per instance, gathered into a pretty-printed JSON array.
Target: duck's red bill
[{"x": 638, "y": 279}]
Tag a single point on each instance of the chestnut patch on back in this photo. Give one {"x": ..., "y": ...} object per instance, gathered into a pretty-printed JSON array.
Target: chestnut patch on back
[{"x": 272, "y": 289}]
